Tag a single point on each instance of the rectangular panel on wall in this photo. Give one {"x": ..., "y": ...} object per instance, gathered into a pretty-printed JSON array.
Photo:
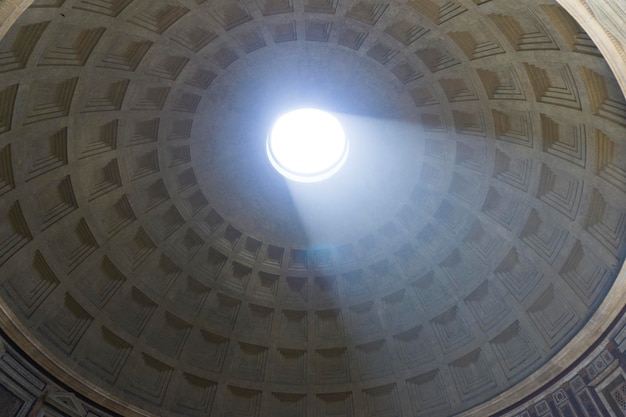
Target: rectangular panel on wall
[
  {"x": 613, "y": 395},
  {"x": 13, "y": 405}
]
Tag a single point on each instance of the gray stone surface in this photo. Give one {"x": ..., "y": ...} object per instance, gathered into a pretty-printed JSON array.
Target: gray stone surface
[{"x": 149, "y": 252}]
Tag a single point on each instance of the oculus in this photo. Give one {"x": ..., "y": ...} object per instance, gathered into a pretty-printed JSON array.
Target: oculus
[{"x": 307, "y": 145}]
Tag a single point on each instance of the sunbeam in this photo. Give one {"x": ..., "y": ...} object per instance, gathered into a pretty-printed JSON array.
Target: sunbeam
[{"x": 356, "y": 197}]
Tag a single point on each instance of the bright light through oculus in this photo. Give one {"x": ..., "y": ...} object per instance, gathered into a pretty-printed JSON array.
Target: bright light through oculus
[{"x": 307, "y": 145}]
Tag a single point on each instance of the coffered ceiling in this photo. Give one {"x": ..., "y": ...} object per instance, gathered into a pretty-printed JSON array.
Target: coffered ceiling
[{"x": 148, "y": 248}]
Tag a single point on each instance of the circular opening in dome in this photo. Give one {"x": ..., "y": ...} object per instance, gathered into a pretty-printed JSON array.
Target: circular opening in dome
[{"x": 307, "y": 145}]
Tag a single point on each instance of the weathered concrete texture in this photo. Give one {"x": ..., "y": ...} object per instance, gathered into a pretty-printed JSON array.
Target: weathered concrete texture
[{"x": 468, "y": 253}]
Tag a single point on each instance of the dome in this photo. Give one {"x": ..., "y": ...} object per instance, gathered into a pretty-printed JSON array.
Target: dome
[{"x": 154, "y": 262}]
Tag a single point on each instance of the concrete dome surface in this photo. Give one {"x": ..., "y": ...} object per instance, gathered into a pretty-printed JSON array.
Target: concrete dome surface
[{"x": 465, "y": 261}]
